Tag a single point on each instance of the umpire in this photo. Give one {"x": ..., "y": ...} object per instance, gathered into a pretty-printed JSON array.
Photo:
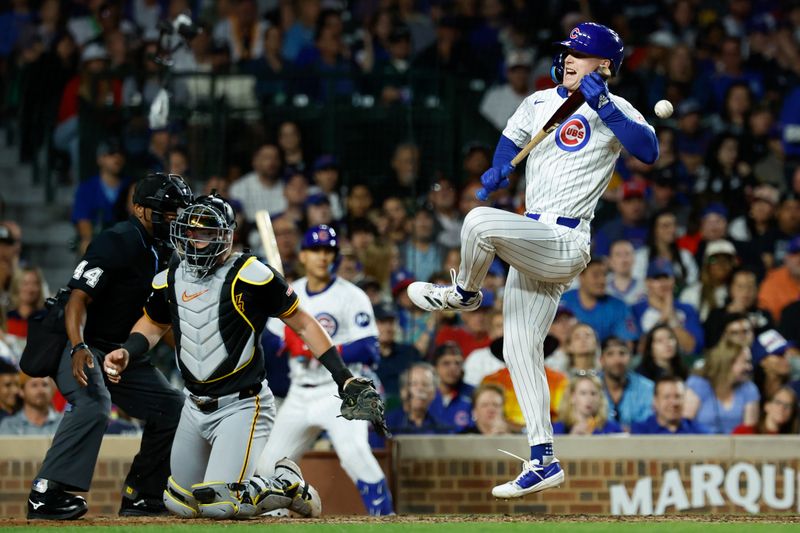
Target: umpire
[{"x": 109, "y": 288}]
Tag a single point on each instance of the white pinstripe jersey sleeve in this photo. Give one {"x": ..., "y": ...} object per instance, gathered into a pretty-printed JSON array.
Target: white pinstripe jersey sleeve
[{"x": 568, "y": 171}]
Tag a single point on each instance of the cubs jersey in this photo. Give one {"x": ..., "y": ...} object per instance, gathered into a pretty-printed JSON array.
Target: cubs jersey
[
  {"x": 568, "y": 171},
  {"x": 218, "y": 321},
  {"x": 345, "y": 312}
]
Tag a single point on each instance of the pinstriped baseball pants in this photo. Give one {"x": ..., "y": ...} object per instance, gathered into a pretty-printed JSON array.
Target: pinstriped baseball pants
[{"x": 544, "y": 258}]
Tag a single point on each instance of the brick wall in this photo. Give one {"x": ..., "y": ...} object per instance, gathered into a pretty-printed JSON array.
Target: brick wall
[{"x": 20, "y": 459}]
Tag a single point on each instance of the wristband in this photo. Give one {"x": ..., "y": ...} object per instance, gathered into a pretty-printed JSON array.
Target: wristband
[
  {"x": 136, "y": 345},
  {"x": 78, "y": 347},
  {"x": 332, "y": 361}
]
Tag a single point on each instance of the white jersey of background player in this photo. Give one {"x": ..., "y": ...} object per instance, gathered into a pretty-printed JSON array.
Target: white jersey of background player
[
  {"x": 566, "y": 174},
  {"x": 311, "y": 406}
]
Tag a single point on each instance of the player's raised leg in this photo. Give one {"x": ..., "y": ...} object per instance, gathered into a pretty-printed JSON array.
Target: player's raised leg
[{"x": 528, "y": 310}]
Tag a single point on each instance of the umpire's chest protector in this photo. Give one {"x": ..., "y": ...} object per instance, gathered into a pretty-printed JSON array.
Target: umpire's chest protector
[{"x": 214, "y": 338}]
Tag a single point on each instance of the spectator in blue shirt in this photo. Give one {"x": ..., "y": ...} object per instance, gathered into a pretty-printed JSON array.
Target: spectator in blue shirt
[
  {"x": 590, "y": 303},
  {"x": 395, "y": 357},
  {"x": 630, "y": 225},
  {"x": 93, "y": 209},
  {"x": 629, "y": 394},
  {"x": 667, "y": 419},
  {"x": 584, "y": 410},
  {"x": 417, "y": 391},
  {"x": 661, "y": 307},
  {"x": 722, "y": 396},
  {"x": 452, "y": 405}
]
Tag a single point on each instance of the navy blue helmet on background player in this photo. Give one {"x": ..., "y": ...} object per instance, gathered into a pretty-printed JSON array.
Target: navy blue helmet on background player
[
  {"x": 591, "y": 39},
  {"x": 322, "y": 236},
  {"x": 203, "y": 234}
]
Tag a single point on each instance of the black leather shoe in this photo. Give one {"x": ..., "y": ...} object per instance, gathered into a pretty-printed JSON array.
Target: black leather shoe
[
  {"x": 55, "y": 504},
  {"x": 141, "y": 505}
]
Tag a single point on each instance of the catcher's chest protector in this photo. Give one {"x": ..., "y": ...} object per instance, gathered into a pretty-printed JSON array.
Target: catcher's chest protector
[{"x": 214, "y": 338}]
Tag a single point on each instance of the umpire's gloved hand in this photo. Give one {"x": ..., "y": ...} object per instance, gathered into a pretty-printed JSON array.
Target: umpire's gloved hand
[
  {"x": 493, "y": 179},
  {"x": 595, "y": 90}
]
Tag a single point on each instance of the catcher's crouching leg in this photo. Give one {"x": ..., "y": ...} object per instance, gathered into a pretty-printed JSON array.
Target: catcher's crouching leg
[
  {"x": 221, "y": 501},
  {"x": 179, "y": 501},
  {"x": 303, "y": 498}
]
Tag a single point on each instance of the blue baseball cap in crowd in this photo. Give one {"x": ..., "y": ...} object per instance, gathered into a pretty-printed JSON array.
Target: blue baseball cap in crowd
[
  {"x": 794, "y": 245},
  {"x": 325, "y": 162},
  {"x": 660, "y": 267},
  {"x": 715, "y": 208},
  {"x": 317, "y": 199}
]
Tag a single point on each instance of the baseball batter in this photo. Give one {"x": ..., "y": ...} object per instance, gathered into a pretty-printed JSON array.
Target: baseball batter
[
  {"x": 548, "y": 246},
  {"x": 346, "y": 313},
  {"x": 217, "y": 304}
]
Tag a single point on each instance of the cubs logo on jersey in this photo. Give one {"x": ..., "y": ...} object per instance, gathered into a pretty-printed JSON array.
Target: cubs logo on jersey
[
  {"x": 328, "y": 323},
  {"x": 573, "y": 134}
]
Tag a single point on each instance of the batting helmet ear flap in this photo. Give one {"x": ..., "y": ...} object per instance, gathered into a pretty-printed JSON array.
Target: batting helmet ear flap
[{"x": 557, "y": 70}]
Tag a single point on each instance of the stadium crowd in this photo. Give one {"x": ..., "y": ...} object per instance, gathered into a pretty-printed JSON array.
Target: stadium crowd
[{"x": 687, "y": 318}]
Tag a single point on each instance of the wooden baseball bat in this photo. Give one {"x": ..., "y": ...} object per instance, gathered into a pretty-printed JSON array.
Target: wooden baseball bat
[
  {"x": 268, "y": 241},
  {"x": 569, "y": 106}
]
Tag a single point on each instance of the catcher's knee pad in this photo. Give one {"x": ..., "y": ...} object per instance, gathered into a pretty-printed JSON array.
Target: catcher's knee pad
[
  {"x": 179, "y": 501},
  {"x": 218, "y": 500}
]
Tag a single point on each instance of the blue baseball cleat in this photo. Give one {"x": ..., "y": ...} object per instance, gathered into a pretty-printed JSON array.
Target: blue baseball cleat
[{"x": 534, "y": 478}]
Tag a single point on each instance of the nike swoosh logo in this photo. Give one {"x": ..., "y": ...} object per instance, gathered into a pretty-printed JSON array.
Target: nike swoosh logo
[
  {"x": 189, "y": 297},
  {"x": 138, "y": 503},
  {"x": 538, "y": 102},
  {"x": 35, "y": 505},
  {"x": 378, "y": 501}
]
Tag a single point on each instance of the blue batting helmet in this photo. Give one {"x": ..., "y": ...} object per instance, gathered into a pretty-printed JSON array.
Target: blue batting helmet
[
  {"x": 592, "y": 39},
  {"x": 321, "y": 236}
]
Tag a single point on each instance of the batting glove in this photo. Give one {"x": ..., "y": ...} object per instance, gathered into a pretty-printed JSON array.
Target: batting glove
[
  {"x": 494, "y": 179},
  {"x": 595, "y": 90}
]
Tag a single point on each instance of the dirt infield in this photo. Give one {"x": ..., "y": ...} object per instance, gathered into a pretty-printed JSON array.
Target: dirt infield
[{"x": 434, "y": 519}]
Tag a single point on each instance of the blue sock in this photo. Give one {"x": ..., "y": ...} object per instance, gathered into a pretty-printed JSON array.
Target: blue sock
[
  {"x": 542, "y": 452},
  {"x": 465, "y": 295},
  {"x": 376, "y": 497}
]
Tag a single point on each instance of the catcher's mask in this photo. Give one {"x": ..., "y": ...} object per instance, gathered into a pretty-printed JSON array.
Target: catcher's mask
[{"x": 203, "y": 234}]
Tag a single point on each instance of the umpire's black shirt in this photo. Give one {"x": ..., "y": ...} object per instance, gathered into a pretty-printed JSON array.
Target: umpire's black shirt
[{"x": 116, "y": 271}]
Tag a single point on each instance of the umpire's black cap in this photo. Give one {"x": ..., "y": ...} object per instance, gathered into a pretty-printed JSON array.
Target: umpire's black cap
[{"x": 146, "y": 189}]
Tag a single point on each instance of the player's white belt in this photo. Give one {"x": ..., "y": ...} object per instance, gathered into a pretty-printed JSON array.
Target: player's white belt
[{"x": 208, "y": 404}]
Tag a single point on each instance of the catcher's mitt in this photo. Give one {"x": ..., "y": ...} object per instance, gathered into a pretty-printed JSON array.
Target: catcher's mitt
[{"x": 360, "y": 401}]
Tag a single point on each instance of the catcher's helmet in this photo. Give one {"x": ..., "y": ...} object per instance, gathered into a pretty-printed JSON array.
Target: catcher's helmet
[
  {"x": 592, "y": 39},
  {"x": 163, "y": 193},
  {"x": 203, "y": 234},
  {"x": 321, "y": 236}
]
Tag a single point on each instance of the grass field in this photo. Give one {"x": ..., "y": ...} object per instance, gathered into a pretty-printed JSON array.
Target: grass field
[{"x": 441, "y": 524}]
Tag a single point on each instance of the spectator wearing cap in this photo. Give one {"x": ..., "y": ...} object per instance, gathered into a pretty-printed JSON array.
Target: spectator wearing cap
[
  {"x": 392, "y": 70},
  {"x": 629, "y": 394},
  {"x": 662, "y": 243},
  {"x": 667, "y": 419},
  {"x": 630, "y": 223},
  {"x": 9, "y": 388},
  {"x": 484, "y": 361},
  {"x": 782, "y": 284},
  {"x": 692, "y": 137},
  {"x": 452, "y": 405},
  {"x": 473, "y": 333},
  {"x": 396, "y": 357},
  {"x": 93, "y": 207},
  {"x": 661, "y": 307},
  {"x": 442, "y": 198},
  {"x": 711, "y": 290},
  {"x": 742, "y": 298},
  {"x": 421, "y": 253},
  {"x": 713, "y": 226},
  {"x": 261, "y": 188},
  {"x": 758, "y": 225},
  {"x": 591, "y": 304},
  {"x": 37, "y": 416},
  {"x": 621, "y": 282},
  {"x": 326, "y": 181},
  {"x": 500, "y": 102},
  {"x": 668, "y": 192},
  {"x": 318, "y": 210},
  {"x": 78, "y": 91}
]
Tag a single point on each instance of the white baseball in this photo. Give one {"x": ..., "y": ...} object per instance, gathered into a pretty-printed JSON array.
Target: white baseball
[{"x": 663, "y": 109}]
